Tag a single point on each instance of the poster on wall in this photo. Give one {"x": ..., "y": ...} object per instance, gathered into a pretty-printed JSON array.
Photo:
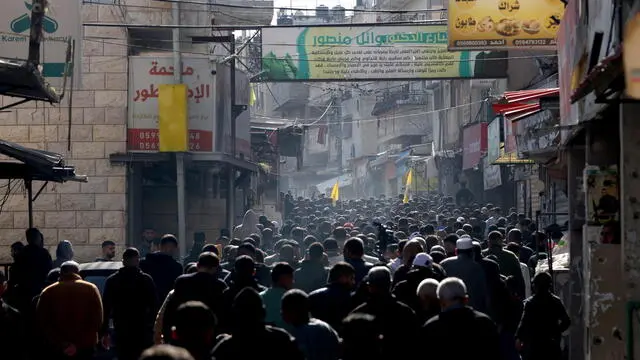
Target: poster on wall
[
  {"x": 371, "y": 52},
  {"x": 146, "y": 73},
  {"x": 493, "y": 24},
  {"x": 602, "y": 199}
]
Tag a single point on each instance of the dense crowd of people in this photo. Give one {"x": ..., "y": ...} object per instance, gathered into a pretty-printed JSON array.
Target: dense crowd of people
[{"x": 364, "y": 279}]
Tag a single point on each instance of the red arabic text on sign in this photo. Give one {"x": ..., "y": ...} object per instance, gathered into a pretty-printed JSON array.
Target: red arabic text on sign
[
  {"x": 167, "y": 71},
  {"x": 196, "y": 93},
  {"x": 147, "y": 140}
]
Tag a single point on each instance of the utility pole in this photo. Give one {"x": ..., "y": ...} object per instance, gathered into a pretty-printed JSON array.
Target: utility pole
[
  {"x": 337, "y": 113},
  {"x": 236, "y": 110},
  {"x": 231, "y": 196},
  {"x": 180, "y": 183},
  {"x": 35, "y": 35}
]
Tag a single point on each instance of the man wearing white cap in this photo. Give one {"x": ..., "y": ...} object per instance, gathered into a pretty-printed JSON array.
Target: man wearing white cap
[{"x": 464, "y": 266}]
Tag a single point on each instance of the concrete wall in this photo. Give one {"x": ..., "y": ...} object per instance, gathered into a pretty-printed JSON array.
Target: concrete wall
[{"x": 85, "y": 214}]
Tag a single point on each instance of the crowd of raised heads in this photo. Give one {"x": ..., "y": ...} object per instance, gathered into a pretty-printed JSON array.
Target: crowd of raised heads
[{"x": 360, "y": 279}]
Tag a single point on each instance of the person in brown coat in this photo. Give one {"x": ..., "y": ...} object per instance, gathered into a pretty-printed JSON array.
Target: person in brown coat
[{"x": 69, "y": 313}]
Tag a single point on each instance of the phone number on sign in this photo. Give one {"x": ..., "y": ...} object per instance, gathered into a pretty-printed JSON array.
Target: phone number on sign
[{"x": 148, "y": 140}]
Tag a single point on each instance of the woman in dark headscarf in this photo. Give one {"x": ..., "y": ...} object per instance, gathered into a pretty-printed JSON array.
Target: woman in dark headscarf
[{"x": 64, "y": 252}]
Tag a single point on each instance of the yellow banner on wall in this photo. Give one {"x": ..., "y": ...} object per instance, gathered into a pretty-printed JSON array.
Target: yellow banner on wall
[
  {"x": 173, "y": 126},
  {"x": 501, "y": 24}
]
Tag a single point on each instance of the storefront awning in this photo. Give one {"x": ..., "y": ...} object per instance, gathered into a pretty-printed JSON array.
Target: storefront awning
[
  {"x": 521, "y": 96},
  {"x": 342, "y": 180},
  {"x": 516, "y": 105},
  {"x": 602, "y": 77}
]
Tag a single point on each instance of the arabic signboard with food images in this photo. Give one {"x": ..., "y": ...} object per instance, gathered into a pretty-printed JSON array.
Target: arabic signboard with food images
[
  {"x": 146, "y": 74},
  {"x": 501, "y": 24},
  {"x": 371, "y": 52}
]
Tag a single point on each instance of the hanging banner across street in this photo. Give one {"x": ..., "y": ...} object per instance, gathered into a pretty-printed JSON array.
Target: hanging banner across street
[
  {"x": 371, "y": 52},
  {"x": 146, "y": 73},
  {"x": 494, "y": 24}
]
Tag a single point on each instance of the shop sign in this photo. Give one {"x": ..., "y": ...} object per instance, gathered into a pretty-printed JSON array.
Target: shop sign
[
  {"x": 493, "y": 24},
  {"x": 493, "y": 135},
  {"x": 474, "y": 140},
  {"x": 538, "y": 132},
  {"x": 146, "y": 74},
  {"x": 491, "y": 175}
]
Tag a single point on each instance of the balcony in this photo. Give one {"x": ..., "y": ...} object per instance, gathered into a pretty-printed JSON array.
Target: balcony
[
  {"x": 404, "y": 96},
  {"x": 404, "y": 128},
  {"x": 289, "y": 96}
]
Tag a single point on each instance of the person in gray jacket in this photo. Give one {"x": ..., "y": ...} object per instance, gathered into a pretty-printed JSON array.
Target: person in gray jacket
[{"x": 464, "y": 266}]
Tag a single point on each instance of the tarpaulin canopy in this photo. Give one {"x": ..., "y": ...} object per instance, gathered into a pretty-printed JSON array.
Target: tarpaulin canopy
[
  {"x": 21, "y": 79},
  {"x": 342, "y": 180},
  {"x": 35, "y": 165}
]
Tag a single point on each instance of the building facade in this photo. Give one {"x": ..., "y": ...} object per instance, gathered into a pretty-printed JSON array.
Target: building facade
[
  {"x": 128, "y": 189},
  {"x": 89, "y": 124}
]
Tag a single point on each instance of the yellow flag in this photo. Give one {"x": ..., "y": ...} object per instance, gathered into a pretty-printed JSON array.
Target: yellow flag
[
  {"x": 407, "y": 186},
  {"x": 252, "y": 95},
  {"x": 335, "y": 193}
]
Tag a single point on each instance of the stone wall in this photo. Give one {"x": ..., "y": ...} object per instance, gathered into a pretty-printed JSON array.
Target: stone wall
[{"x": 87, "y": 213}]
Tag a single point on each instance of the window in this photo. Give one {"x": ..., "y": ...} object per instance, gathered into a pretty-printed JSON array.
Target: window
[
  {"x": 435, "y": 4},
  {"x": 347, "y": 127}
]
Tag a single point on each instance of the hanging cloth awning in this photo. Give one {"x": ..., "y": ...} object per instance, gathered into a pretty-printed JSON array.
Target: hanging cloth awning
[{"x": 516, "y": 105}]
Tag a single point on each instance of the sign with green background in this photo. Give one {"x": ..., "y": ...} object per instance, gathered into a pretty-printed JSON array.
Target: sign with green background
[
  {"x": 371, "y": 52},
  {"x": 62, "y": 20}
]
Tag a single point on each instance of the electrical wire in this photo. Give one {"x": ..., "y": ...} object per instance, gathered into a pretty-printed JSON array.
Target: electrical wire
[
  {"x": 274, "y": 8},
  {"x": 402, "y": 116},
  {"x": 250, "y": 27},
  {"x": 355, "y": 10},
  {"x": 326, "y": 111},
  {"x": 324, "y": 61}
]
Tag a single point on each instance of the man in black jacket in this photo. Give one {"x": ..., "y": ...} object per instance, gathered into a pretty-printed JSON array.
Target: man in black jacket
[
  {"x": 162, "y": 267},
  {"x": 333, "y": 303},
  {"x": 353, "y": 252},
  {"x": 478, "y": 331},
  {"x": 203, "y": 286},
  {"x": 130, "y": 300},
  {"x": 12, "y": 325},
  {"x": 249, "y": 337},
  {"x": 312, "y": 275},
  {"x": 396, "y": 321},
  {"x": 29, "y": 271}
]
